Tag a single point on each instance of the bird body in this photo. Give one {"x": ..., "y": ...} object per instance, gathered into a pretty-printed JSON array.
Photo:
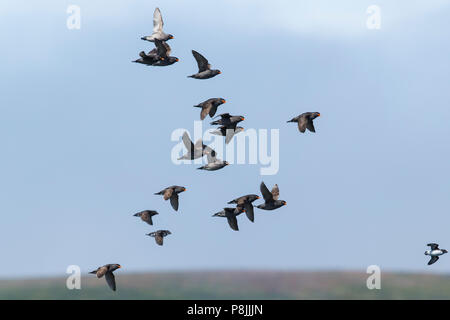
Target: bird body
[
  {"x": 271, "y": 201},
  {"x": 245, "y": 203},
  {"x": 213, "y": 163},
  {"x": 204, "y": 68},
  {"x": 209, "y": 107},
  {"x": 158, "y": 33},
  {"x": 305, "y": 121},
  {"x": 227, "y": 133},
  {"x": 195, "y": 151},
  {"x": 434, "y": 252},
  {"x": 172, "y": 194},
  {"x": 146, "y": 215},
  {"x": 107, "y": 271},
  {"x": 159, "y": 236},
  {"x": 230, "y": 214}
]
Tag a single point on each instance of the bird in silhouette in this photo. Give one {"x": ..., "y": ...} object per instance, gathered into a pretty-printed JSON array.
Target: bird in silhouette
[
  {"x": 159, "y": 236},
  {"x": 146, "y": 216},
  {"x": 209, "y": 107},
  {"x": 204, "y": 68},
  {"x": 271, "y": 201},
  {"x": 245, "y": 203},
  {"x": 434, "y": 252},
  {"x": 305, "y": 121}
]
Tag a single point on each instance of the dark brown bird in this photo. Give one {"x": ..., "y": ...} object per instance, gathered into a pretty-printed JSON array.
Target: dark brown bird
[
  {"x": 270, "y": 198},
  {"x": 204, "y": 68},
  {"x": 172, "y": 194},
  {"x": 148, "y": 59},
  {"x": 209, "y": 107},
  {"x": 159, "y": 236},
  {"x": 146, "y": 216},
  {"x": 163, "y": 51},
  {"x": 305, "y": 121},
  {"x": 228, "y": 120},
  {"x": 107, "y": 271},
  {"x": 230, "y": 214},
  {"x": 245, "y": 203}
]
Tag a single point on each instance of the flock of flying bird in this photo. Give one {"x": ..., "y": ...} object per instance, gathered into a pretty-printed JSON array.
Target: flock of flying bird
[{"x": 160, "y": 56}]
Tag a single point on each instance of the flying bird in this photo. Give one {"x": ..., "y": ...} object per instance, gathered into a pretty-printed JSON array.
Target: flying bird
[
  {"x": 227, "y": 133},
  {"x": 305, "y": 121},
  {"x": 230, "y": 214},
  {"x": 209, "y": 107},
  {"x": 107, "y": 271},
  {"x": 158, "y": 32},
  {"x": 163, "y": 52},
  {"x": 172, "y": 194},
  {"x": 245, "y": 203},
  {"x": 213, "y": 163},
  {"x": 204, "y": 68},
  {"x": 434, "y": 252},
  {"x": 228, "y": 120},
  {"x": 148, "y": 59},
  {"x": 146, "y": 216},
  {"x": 271, "y": 201},
  {"x": 195, "y": 151},
  {"x": 159, "y": 236}
]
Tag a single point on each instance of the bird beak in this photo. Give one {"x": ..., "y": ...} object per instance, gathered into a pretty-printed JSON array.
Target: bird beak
[
  {"x": 119, "y": 267},
  {"x": 242, "y": 118},
  {"x": 318, "y": 115},
  {"x": 257, "y": 197},
  {"x": 223, "y": 100},
  {"x": 184, "y": 189},
  {"x": 170, "y": 37},
  {"x": 220, "y": 72},
  {"x": 177, "y": 59}
]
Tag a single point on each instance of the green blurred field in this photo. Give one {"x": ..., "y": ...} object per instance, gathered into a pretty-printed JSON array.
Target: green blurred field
[{"x": 235, "y": 285}]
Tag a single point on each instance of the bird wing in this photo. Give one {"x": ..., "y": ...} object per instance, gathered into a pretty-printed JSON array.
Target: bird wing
[
  {"x": 174, "y": 201},
  {"x": 159, "y": 239},
  {"x": 229, "y": 135},
  {"x": 267, "y": 195},
  {"x": 212, "y": 110},
  {"x": 302, "y": 122},
  {"x": 157, "y": 21},
  {"x": 163, "y": 48},
  {"x": 211, "y": 158},
  {"x": 202, "y": 62},
  {"x": 433, "y": 260},
  {"x": 232, "y": 221},
  {"x": 433, "y": 246},
  {"x": 187, "y": 142},
  {"x": 101, "y": 271},
  {"x": 310, "y": 125},
  {"x": 205, "y": 110},
  {"x": 110, "y": 280},
  {"x": 249, "y": 211},
  {"x": 275, "y": 192}
]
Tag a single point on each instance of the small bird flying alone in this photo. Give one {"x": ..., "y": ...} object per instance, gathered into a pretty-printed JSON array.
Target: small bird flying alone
[
  {"x": 107, "y": 271},
  {"x": 305, "y": 121},
  {"x": 434, "y": 252},
  {"x": 271, "y": 201},
  {"x": 204, "y": 68},
  {"x": 146, "y": 215},
  {"x": 172, "y": 194},
  {"x": 158, "y": 32},
  {"x": 159, "y": 236},
  {"x": 209, "y": 107}
]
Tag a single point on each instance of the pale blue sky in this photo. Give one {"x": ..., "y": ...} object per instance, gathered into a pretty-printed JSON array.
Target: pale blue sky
[{"x": 85, "y": 135}]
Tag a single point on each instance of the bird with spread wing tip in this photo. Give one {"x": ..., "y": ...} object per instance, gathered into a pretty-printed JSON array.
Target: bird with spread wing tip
[
  {"x": 204, "y": 68},
  {"x": 172, "y": 194},
  {"x": 305, "y": 121},
  {"x": 146, "y": 215},
  {"x": 195, "y": 151},
  {"x": 163, "y": 52},
  {"x": 227, "y": 133},
  {"x": 158, "y": 33},
  {"x": 245, "y": 203},
  {"x": 159, "y": 236},
  {"x": 148, "y": 59},
  {"x": 434, "y": 252},
  {"x": 107, "y": 271},
  {"x": 230, "y": 214},
  {"x": 209, "y": 107},
  {"x": 228, "y": 125},
  {"x": 213, "y": 164},
  {"x": 271, "y": 201}
]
